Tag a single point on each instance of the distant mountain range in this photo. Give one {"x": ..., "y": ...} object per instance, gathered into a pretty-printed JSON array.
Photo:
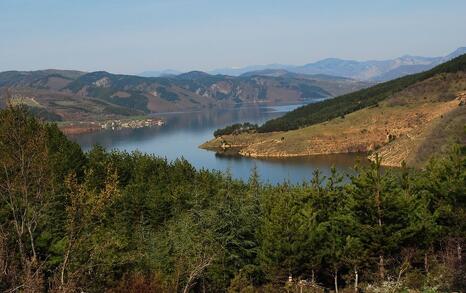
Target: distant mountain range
[
  {"x": 373, "y": 70},
  {"x": 159, "y": 73},
  {"x": 75, "y": 95}
]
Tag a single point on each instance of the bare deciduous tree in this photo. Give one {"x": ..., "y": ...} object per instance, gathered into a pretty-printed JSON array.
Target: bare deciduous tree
[{"x": 24, "y": 189}]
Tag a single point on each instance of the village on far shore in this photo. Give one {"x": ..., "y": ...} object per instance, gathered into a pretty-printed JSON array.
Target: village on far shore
[{"x": 114, "y": 124}]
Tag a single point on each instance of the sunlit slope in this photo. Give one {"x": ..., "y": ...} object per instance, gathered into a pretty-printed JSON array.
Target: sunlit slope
[{"x": 409, "y": 126}]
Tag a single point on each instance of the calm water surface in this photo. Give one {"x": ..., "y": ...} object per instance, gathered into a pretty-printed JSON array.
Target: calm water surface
[{"x": 185, "y": 131}]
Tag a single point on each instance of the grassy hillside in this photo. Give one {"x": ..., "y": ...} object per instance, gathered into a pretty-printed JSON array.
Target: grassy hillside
[
  {"x": 35, "y": 78},
  {"x": 411, "y": 125},
  {"x": 345, "y": 104}
]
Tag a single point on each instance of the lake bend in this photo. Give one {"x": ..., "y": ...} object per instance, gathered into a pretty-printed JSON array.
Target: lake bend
[{"x": 183, "y": 132}]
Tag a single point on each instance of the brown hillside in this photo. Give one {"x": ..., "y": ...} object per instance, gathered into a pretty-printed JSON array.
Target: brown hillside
[{"x": 401, "y": 128}]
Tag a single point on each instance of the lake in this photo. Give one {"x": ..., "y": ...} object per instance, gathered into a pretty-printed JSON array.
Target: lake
[{"x": 183, "y": 132}]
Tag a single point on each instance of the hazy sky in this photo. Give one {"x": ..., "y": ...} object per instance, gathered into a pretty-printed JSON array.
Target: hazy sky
[{"x": 138, "y": 35}]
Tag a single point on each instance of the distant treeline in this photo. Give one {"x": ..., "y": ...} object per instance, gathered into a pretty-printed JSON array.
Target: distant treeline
[
  {"x": 118, "y": 222},
  {"x": 236, "y": 129}
]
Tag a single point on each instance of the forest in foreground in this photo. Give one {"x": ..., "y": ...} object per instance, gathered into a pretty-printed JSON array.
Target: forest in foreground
[{"x": 130, "y": 222}]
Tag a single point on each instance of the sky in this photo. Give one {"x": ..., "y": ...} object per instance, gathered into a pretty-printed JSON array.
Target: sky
[{"x": 139, "y": 35}]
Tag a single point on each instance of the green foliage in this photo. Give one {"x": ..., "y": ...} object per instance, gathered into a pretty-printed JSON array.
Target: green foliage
[
  {"x": 65, "y": 156},
  {"x": 312, "y": 92},
  {"x": 133, "y": 222},
  {"x": 166, "y": 94},
  {"x": 236, "y": 129},
  {"x": 135, "y": 101},
  {"x": 283, "y": 248},
  {"x": 44, "y": 114}
]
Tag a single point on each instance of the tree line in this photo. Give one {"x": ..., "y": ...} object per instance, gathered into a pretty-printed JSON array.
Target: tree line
[
  {"x": 236, "y": 129},
  {"x": 132, "y": 222}
]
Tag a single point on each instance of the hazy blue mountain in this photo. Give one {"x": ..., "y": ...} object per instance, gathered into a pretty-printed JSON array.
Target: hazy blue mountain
[
  {"x": 372, "y": 70},
  {"x": 365, "y": 70},
  {"x": 402, "y": 71},
  {"x": 458, "y": 52},
  {"x": 159, "y": 73},
  {"x": 192, "y": 75},
  {"x": 286, "y": 73},
  {"x": 267, "y": 72},
  {"x": 241, "y": 70},
  {"x": 413, "y": 64}
]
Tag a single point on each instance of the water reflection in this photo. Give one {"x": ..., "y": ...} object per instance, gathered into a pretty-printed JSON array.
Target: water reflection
[{"x": 184, "y": 132}]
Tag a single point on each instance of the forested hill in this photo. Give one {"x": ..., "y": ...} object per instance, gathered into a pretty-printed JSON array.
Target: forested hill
[
  {"x": 73, "y": 95},
  {"x": 116, "y": 222},
  {"x": 345, "y": 104}
]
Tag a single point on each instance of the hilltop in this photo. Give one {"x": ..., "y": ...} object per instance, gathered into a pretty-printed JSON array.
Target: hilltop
[
  {"x": 407, "y": 119},
  {"x": 73, "y": 95}
]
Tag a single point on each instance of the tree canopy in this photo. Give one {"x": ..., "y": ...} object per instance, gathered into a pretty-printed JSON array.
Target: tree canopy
[{"x": 132, "y": 222}]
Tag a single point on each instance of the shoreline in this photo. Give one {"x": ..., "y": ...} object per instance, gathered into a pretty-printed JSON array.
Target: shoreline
[
  {"x": 238, "y": 151},
  {"x": 396, "y": 133},
  {"x": 81, "y": 127}
]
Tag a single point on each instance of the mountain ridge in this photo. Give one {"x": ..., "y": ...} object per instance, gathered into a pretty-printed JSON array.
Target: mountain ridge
[
  {"x": 75, "y": 95},
  {"x": 368, "y": 70}
]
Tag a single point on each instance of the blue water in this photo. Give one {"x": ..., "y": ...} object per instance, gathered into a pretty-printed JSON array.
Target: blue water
[{"x": 185, "y": 131}]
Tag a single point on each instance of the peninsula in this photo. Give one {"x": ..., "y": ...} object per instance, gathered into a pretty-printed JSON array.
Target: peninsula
[{"x": 404, "y": 120}]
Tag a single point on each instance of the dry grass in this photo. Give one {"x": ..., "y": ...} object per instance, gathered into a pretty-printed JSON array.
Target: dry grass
[
  {"x": 398, "y": 131},
  {"x": 28, "y": 101}
]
